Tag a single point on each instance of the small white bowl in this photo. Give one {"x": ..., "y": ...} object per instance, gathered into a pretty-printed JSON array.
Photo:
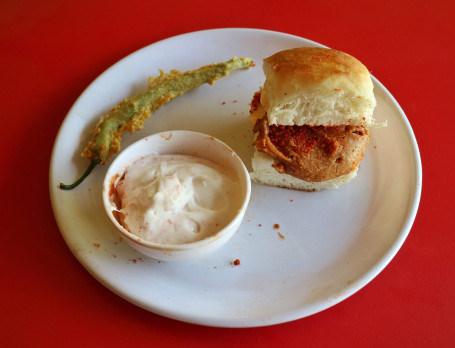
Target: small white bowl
[{"x": 185, "y": 143}]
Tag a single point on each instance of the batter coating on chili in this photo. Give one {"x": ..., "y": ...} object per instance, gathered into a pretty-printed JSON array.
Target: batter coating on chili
[{"x": 130, "y": 114}]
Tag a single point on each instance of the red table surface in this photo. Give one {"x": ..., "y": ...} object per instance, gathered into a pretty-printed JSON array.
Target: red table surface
[{"x": 51, "y": 50}]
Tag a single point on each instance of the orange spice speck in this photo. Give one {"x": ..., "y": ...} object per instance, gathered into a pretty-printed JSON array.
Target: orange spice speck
[{"x": 168, "y": 137}]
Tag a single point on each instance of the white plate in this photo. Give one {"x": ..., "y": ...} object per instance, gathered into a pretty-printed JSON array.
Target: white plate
[{"x": 329, "y": 243}]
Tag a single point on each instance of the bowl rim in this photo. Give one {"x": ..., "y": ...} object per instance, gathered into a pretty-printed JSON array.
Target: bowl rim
[{"x": 242, "y": 174}]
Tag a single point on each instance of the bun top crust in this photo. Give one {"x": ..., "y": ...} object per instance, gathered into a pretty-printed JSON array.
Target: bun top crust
[{"x": 317, "y": 86}]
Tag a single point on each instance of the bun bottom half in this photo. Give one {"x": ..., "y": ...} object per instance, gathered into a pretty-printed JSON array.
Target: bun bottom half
[{"x": 264, "y": 173}]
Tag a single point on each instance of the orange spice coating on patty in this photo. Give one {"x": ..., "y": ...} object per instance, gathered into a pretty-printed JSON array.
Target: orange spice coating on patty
[{"x": 311, "y": 153}]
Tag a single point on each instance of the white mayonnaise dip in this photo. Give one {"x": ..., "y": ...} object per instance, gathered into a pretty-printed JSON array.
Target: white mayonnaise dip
[{"x": 177, "y": 199}]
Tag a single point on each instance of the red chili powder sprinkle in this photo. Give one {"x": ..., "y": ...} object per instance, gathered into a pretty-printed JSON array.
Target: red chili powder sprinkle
[
  {"x": 223, "y": 103},
  {"x": 303, "y": 139},
  {"x": 276, "y": 226},
  {"x": 236, "y": 262},
  {"x": 96, "y": 245},
  {"x": 112, "y": 185}
]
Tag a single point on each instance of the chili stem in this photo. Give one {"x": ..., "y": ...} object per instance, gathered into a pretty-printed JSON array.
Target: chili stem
[{"x": 82, "y": 178}]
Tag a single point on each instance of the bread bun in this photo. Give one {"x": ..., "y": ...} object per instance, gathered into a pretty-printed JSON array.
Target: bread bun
[
  {"x": 317, "y": 86},
  {"x": 311, "y": 119},
  {"x": 264, "y": 173}
]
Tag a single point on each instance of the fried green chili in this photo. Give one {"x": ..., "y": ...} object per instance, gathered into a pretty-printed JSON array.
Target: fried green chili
[{"x": 131, "y": 113}]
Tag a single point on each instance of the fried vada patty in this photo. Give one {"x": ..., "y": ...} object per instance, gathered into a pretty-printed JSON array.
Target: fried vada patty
[{"x": 312, "y": 153}]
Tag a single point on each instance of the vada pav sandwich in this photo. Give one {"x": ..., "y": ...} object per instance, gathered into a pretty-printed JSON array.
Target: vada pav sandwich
[{"x": 311, "y": 119}]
